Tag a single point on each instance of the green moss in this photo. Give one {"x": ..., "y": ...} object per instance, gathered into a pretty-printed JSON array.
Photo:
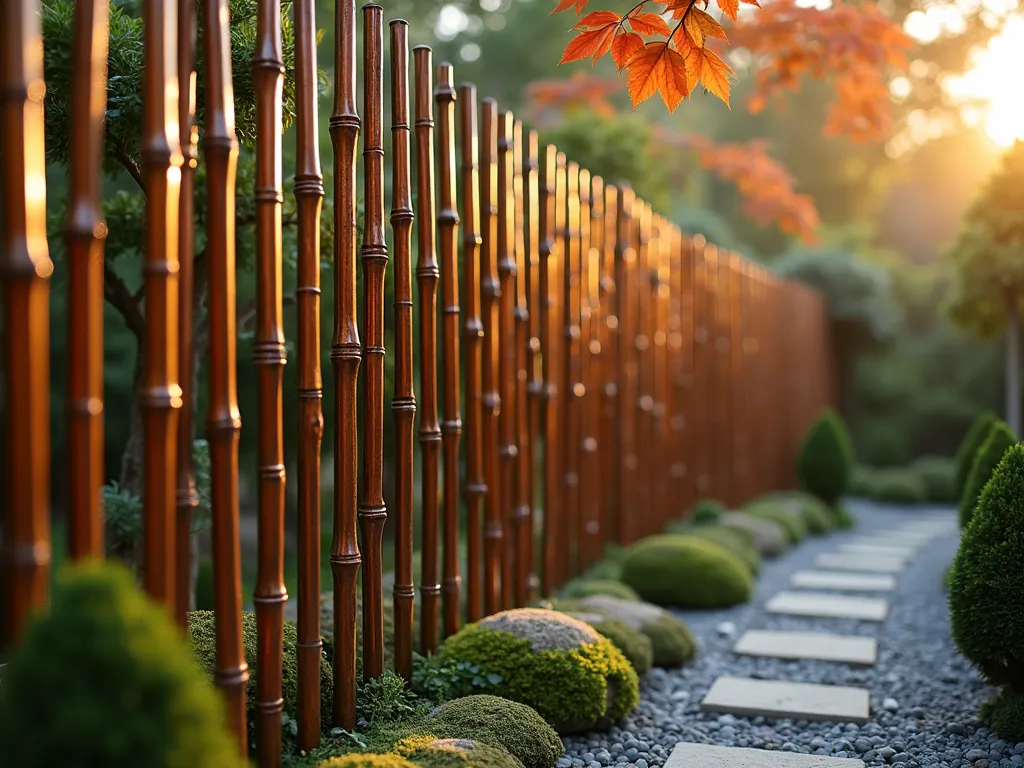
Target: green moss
[
  {"x": 1005, "y": 714},
  {"x": 361, "y": 760},
  {"x": 986, "y": 595},
  {"x": 585, "y": 587},
  {"x": 938, "y": 473},
  {"x": 604, "y": 570},
  {"x": 686, "y": 572},
  {"x": 201, "y": 631},
  {"x": 791, "y": 523},
  {"x": 969, "y": 448},
  {"x": 635, "y": 645},
  {"x": 844, "y": 519},
  {"x": 862, "y": 483},
  {"x": 825, "y": 463},
  {"x": 105, "y": 679},
  {"x": 899, "y": 486},
  {"x": 733, "y": 540},
  {"x": 671, "y": 640},
  {"x": 769, "y": 538},
  {"x": 999, "y": 440},
  {"x": 706, "y": 511},
  {"x": 462, "y": 753},
  {"x": 498, "y": 722},
  {"x": 566, "y": 687}
]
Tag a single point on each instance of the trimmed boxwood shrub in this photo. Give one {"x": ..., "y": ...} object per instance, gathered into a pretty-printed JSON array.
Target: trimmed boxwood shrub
[
  {"x": 899, "y": 486},
  {"x": 1004, "y": 714},
  {"x": 105, "y": 679},
  {"x": 939, "y": 476},
  {"x": 686, "y": 572},
  {"x": 969, "y": 448},
  {"x": 825, "y": 463},
  {"x": 734, "y": 540},
  {"x": 499, "y": 722},
  {"x": 986, "y": 593},
  {"x": 563, "y": 668},
  {"x": 790, "y": 522},
  {"x": 706, "y": 511},
  {"x": 1000, "y": 439},
  {"x": 201, "y": 634},
  {"x": 586, "y": 587}
]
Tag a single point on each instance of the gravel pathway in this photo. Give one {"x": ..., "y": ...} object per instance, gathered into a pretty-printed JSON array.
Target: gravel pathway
[{"x": 924, "y": 695}]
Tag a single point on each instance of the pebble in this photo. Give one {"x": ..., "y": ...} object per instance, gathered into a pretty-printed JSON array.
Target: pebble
[{"x": 891, "y": 705}]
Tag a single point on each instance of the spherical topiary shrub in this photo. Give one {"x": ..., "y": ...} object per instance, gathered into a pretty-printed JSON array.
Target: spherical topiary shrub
[
  {"x": 1004, "y": 714},
  {"x": 1000, "y": 439},
  {"x": 769, "y": 538},
  {"x": 586, "y": 587},
  {"x": 969, "y": 448},
  {"x": 498, "y": 722},
  {"x": 899, "y": 486},
  {"x": 201, "y": 633},
  {"x": 986, "y": 591},
  {"x": 357, "y": 760},
  {"x": 939, "y": 476},
  {"x": 792, "y": 524},
  {"x": 734, "y": 540},
  {"x": 672, "y": 642},
  {"x": 686, "y": 572},
  {"x": 563, "y": 668},
  {"x": 706, "y": 511},
  {"x": 825, "y": 463},
  {"x": 461, "y": 753},
  {"x": 105, "y": 679},
  {"x": 635, "y": 645}
]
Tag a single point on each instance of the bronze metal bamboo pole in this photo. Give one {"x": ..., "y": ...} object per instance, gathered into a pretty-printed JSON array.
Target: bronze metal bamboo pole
[
  {"x": 736, "y": 406},
  {"x": 724, "y": 385},
  {"x": 187, "y": 495},
  {"x": 451, "y": 424},
  {"x": 547, "y": 282},
  {"x": 490, "y": 292},
  {"x": 26, "y": 269},
  {"x": 373, "y": 254},
  {"x": 608, "y": 441},
  {"x": 571, "y": 385},
  {"x": 535, "y": 374},
  {"x": 625, "y": 291},
  {"x": 346, "y": 356},
  {"x": 507, "y": 352},
  {"x": 309, "y": 195},
  {"x": 643, "y": 314},
  {"x": 427, "y": 275},
  {"x": 269, "y": 358},
  {"x": 594, "y": 375},
  {"x": 521, "y": 508},
  {"x": 85, "y": 236},
  {"x": 691, "y": 447},
  {"x": 660, "y": 466},
  {"x": 475, "y": 489},
  {"x": 590, "y": 523},
  {"x": 223, "y": 423},
  {"x": 679, "y": 497},
  {"x": 701, "y": 359},
  {"x": 403, "y": 401}
]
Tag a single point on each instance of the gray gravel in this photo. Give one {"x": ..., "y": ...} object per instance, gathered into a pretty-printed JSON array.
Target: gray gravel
[{"x": 924, "y": 695}]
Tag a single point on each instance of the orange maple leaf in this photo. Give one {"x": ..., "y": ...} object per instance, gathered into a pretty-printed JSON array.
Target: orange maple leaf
[
  {"x": 598, "y": 19},
  {"x": 705, "y": 66},
  {"x": 649, "y": 24},
  {"x": 657, "y": 68},
  {"x": 624, "y": 46},
  {"x": 678, "y": 8},
  {"x": 564, "y": 5},
  {"x": 729, "y": 7},
  {"x": 700, "y": 24},
  {"x": 593, "y": 42}
]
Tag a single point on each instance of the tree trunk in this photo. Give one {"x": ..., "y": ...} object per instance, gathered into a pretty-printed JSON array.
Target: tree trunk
[{"x": 1013, "y": 391}]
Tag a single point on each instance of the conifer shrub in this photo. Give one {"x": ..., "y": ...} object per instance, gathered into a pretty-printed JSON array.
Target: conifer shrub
[
  {"x": 825, "y": 463},
  {"x": 706, "y": 511},
  {"x": 999, "y": 440},
  {"x": 1004, "y": 714},
  {"x": 106, "y": 679},
  {"x": 968, "y": 448}
]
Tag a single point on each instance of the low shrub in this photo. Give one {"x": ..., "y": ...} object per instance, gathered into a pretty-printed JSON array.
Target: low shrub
[
  {"x": 769, "y": 538},
  {"x": 1004, "y": 714},
  {"x": 969, "y": 448},
  {"x": 1000, "y": 439},
  {"x": 939, "y": 476},
  {"x": 563, "y": 668},
  {"x": 844, "y": 519},
  {"x": 706, "y": 511},
  {"x": 791, "y": 523},
  {"x": 899, "y": 486},
  {"x": 825, "y": 463},
  {"x": 734, "y": 540},
  {"x": 512, "y": 726},
  {"x": 105, "y": 679},
  {"x": 686, "y": 572},
  {"x": 586, "y": 587},
  {"x": 986, "y": 595},
  {"x": 818, "y": 517},
  {"x": 604, "y": 570},
  {"x": 862, "y": 483}
]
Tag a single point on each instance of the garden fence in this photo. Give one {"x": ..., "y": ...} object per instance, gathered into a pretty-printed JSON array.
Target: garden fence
[{"x": 601, "y": 369}]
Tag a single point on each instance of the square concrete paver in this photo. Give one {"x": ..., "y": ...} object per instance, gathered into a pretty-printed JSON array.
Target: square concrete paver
[
  {"x": 849, "y": 582},
  {"x": 825, "y": 605},
  {"x": 808, "y": 645},
  {"x": 779, "y": 699},
  {"x": 878, "y": 550},
  {"x": 687, "y": 755},
  {"x": 904, "y": 538},
  {"x": 865, "y": 563}
]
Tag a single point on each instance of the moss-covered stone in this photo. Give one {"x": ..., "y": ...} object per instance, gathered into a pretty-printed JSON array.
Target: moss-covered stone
[
  {"x": 563, "y": 668},
  {"x": 498, "y": 722},
  {"x": 362, "y": 760},
  {"x": 791, "y": 523},
  {"x": 999, "y": 440},
  {"x": 825, "y": 463},
  {"x": 586, "y": 587},
  {"x": 686, "y": 572},
  {"x": 768, "y": 537},
  {"x": 105, "y": 679},
  {"x": 460, "y": 753},
  {"x": 201, "y": 632},
  {"x": 635, "y": 645},
  {"x": 735, "y": 540}
]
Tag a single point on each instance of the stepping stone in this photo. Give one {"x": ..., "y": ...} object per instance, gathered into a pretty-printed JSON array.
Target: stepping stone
[
  {"x": 829, "y": 606},
  {"x": 808, "y": 645},
  {"x": 904, "y": 538},
  {"x": 879, "y": 541},
  {"x": 687, "y": 755},
  {"x": 778, "y": 699},
  {"x": 878, "y": 550},
  {"x": 865, "y": 563},
  {"x": 850, "y": 582}
]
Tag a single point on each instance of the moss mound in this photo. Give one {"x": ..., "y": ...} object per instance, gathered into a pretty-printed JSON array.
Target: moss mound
[
  {"x": 1004, "y": 714},
  {"x": 734, "y": 540},
  {"x": 105, "y": 679},
  {"x": 792, "y": 524},
  {"x": 201, "y": 634},
  {"x": 563, "y": 668},
  {"x": 986, "y": 595},
  {"x": 819, "y": 518},
  {"x": 687, "y": 572},
  {"x": 635, "y": 645},
  {"x": 965, "y": 454},
  {"x": 706, "y": 511},
  {"x": 461, "y": 753},
  {"x": 587, "y": 587},
  {"x": 825, "y": 463},
  {"x": 512, "y": 726},
  {"x": 938, "y": 473},
  {"x": 862, "y": 483},
  {"x": 999, "y": 440},
  {"x": 768, "y": 537},
  {"x": 899, "y": 486},
  {"x": 359, "y": 760}
]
